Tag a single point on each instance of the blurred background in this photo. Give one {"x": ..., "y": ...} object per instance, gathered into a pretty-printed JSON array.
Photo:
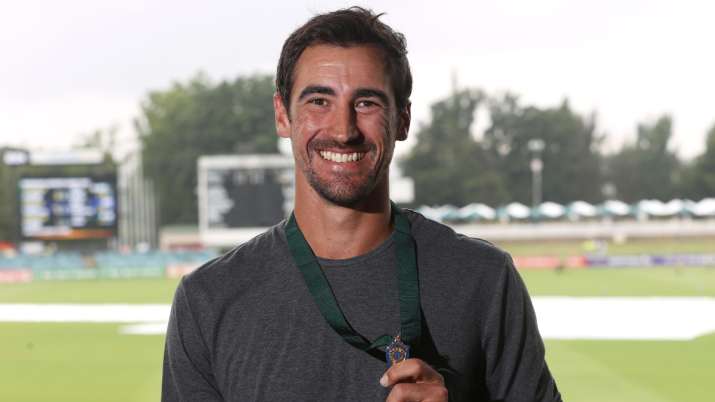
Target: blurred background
[{"x": 137, "y": 142}]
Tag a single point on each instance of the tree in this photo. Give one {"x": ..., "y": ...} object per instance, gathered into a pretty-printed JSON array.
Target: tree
[
  {"x": 447, "y": 164},
  {"x": 571, "y": 159},
  {"x": 201, "y": 118},
  {"x": 647, "y": 168},
  {"x": 8, "y": 213},
  {"x": 699, "y": 177}
]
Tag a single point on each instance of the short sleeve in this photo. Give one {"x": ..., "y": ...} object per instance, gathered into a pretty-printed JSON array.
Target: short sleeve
[
  {"x": 516, "y": 370},
  {"x": 187, "y": 374}
]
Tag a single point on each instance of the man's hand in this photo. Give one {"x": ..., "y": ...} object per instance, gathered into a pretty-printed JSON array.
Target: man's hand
[{"x": 414, "y": 380}]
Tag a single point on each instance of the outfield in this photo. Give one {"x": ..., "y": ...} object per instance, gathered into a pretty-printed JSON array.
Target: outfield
[{"x": 95, "y": 363}]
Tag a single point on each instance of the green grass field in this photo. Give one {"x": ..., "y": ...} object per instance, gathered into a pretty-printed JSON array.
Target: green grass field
[
  {"x": 94, "y": 363},
  {"x": 78, "y": 362},
  {"x": 564, "y": 248}
]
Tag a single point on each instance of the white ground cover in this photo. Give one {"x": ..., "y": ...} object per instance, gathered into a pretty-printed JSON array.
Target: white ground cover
[
  {"x": 107, "y": 313},
  {"x": 635, "y": 318}
]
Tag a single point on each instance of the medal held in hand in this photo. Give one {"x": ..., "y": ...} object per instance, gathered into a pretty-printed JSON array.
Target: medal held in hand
[{"x": 396, "y": 351}]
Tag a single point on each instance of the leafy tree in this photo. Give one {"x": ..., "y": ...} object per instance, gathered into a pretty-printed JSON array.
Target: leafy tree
[
  {"x": 447, "y": 164},
  {"x": 201, "y": 118},
  {"x": 571, "y": 160},
  {"x": 647, "y": 168},
  {"x": 7, "y": 201},
  {"x": 699, "y": 177}
]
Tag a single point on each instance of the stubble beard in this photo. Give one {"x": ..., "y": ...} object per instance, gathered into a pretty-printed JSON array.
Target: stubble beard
[
  {"x": 343, "y": 191},
  {"x": 347, "y": 190}
]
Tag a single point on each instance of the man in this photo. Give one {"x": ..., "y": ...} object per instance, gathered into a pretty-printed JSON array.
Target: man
[{"x": 313, "y": 309}]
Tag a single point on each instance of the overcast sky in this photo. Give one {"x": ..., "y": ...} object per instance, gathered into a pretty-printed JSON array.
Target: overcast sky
[{"x": 67, "y": 68}]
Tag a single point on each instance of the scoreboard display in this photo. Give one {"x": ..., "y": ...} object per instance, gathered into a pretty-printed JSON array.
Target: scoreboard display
[
  {"x": 255, "y": 197},
  {"x": 241, "y": 195},
  {"x": 68, "y": 208}
]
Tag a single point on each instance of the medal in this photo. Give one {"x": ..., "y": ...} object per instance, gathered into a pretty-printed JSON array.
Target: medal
[{"x": 396, "y": 351}]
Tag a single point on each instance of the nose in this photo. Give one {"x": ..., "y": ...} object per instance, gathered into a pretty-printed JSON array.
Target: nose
[{"x": 345, "y": 128}]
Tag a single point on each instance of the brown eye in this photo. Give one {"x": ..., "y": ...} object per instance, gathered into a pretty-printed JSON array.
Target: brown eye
[
  {"x": 318, "y": 101},
  {"x": 364, "y": 104}
]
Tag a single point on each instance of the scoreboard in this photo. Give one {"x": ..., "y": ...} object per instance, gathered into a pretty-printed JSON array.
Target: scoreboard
[
  {"x": 247, "y": 197},
  {"x": 68, "y": 208},
  {"x": 241, "y": 195},
  {"x": 244, "y": 190}
]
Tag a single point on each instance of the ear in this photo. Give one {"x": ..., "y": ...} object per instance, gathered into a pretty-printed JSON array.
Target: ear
[
  {"x": 281, "y": 116},
  {"x": 403, "y": 120}
]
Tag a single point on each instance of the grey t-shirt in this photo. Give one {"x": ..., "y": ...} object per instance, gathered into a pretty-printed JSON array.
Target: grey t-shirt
[
  {"x": 244, "y": 327},
  {"x": 366, "y": 288}
]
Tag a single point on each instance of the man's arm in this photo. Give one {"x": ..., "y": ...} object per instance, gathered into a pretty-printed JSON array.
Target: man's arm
[
  {"x": 187, "y": 364},
  {"x": 515, "y": 366}
]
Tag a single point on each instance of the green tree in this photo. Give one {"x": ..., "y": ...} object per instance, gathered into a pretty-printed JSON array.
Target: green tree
[
  {"x": 447, "y": 164},
  {"x": 699, "y": 176},
  {"x": 571, "y": 158},
  {"x": 197, "y": 118},
  {"x": 647, "y": 168},
  {"x": 7, "y": 201}
]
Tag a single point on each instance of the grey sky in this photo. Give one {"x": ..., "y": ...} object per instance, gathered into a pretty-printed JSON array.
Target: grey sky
[{"x": 69, "y": 67}]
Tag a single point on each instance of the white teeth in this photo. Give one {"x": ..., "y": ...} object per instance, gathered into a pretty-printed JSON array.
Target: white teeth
[{"x": 341, "y": 158}]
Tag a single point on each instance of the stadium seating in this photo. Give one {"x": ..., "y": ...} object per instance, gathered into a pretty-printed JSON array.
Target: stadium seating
[{"x": 104, "y": 260}]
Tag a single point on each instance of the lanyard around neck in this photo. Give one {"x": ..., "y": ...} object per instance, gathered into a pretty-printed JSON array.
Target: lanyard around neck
[{"x": 409, "y": 291}]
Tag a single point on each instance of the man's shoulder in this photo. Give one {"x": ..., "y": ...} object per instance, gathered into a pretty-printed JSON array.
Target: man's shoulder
[
  {"x": 442, "y": 239},
  {"x": 242, "y": 262}
]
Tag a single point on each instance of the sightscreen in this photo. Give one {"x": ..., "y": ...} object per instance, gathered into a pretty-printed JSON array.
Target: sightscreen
[{"x": 68, "y": 208}]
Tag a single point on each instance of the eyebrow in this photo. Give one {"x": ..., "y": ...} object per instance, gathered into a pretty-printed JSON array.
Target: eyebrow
[{"x": 315, "y": 89}]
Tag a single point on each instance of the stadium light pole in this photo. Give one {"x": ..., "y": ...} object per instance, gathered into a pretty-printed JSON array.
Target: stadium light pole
[{"x": 536, "y": 146}]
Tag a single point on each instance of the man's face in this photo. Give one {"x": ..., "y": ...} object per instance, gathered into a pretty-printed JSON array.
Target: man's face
[{"x": 343, "y": 121}]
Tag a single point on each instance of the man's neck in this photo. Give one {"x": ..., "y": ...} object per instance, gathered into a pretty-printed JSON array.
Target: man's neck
[{"x": 338, "y": 232}]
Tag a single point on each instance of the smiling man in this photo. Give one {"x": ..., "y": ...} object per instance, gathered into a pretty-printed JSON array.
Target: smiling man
[{"x": 352, "y": 298}]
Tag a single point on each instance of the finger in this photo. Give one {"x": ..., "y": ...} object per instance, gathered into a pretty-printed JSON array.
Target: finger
[
  {"x": 411, "y": 370},
  {"x": 423, "y": 392}
]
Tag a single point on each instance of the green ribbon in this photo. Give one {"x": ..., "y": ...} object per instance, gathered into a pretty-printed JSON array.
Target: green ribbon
[{"x": 409, "y": 290}]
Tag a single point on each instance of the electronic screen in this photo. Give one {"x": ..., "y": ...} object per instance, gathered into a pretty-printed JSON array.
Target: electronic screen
[{"x": 68, "y": 208}]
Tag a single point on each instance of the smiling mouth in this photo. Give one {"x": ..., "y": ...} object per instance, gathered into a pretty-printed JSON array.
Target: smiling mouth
[{"x": 342, "y": 157}]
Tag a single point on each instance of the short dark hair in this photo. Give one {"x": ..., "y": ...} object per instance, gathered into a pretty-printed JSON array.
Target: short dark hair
[{"x": 348, "y": 27}]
